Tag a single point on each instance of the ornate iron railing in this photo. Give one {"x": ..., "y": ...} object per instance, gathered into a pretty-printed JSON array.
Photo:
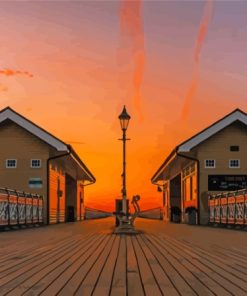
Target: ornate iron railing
[
  {"x": 228, "y": 208},
  {"x": 20, "y": 208}
]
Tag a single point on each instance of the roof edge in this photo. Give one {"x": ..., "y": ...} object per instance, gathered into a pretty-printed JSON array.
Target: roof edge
[{"x": 166, "y": 161}]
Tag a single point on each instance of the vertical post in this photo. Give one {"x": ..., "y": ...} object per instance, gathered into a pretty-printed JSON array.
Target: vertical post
[
  {"x": 8, "y": 207},
  {"x": 124, "y": 193},
  {"x": 38, "y": 206},
  {"x": 220, "y": 207},
  {"x": 25, "y": 207},
  {"x": 17, "y": 208},
  {"x": 32, "y": 207},
  {"x": 245, "y": 210},
  {"x": 235, "y": 208}
]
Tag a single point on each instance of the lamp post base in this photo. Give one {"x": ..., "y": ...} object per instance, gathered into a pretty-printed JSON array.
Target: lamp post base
[{"x": 126, "y": 228}]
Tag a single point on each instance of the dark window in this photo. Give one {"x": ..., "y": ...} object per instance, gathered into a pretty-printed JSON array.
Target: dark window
[
  {"x": 234, "y": 148},
  {"x": 11, "y": 163},
  {"x": 234, "y": 163},
  {"x": 35, "y": 183},
  {"x": 209, "y": 163},
  {"x": 35, "y": 163}
]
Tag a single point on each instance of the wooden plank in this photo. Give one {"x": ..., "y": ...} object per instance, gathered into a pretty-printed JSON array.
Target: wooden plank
[
  {"x": 207, "y": 277},
  {"x": 19, "y": 262},
  {"x": 119, "y": 282},
  {"x": 234, "y": 255},
  {"x": 57, "y": 285},
  {"x": 232, "y": 261},
  {"x": 233, "y": 284},
  {"x": 174, "y": 275},
  {"x": 20, "y": 252},
  {"x": 83, "y": 266},
  {"x": 235, "y": 265},
  {"x": 23, "y": 249},
  {"x": 165, "y": 285},
  {"x": 149, "y": 282},
  {"x": 135, "y": 286},
  {"x": 103, "y": 285},
  {"x": 220, "y": 253},
  {"x": 222, "y": 264},
  {"x": 10, "y": 281},
  {"x": 87, "y": 286},
  {"x": 44, "y": 279}
]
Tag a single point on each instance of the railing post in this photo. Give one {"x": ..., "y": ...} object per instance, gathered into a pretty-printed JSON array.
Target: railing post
[
  {"x": 244, "y": 214},
  {"x": 227, "y": 209},
  {"x": 43, "y": 209},
  {"x": 32, "y": 207},
  {"x": 17, "y": 207},
  {"x": 235, "y": 208},
  {"x": 214, "y": 208},
  {"x": 25, "y": 207},
  {"x": 8, "y": 207},
  {"x": 220, "y": 207},
  {"x": 37, "y": 206}
]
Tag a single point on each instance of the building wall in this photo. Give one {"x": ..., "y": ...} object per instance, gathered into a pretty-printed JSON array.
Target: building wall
[
  {"x": 17, "y": 143},
  {"x": 218, "y": 148}
]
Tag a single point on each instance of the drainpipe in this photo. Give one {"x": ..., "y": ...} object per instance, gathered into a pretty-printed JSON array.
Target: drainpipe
[
  {"x": 198, "y": 180},
  {"x": 48, "y": 179}
]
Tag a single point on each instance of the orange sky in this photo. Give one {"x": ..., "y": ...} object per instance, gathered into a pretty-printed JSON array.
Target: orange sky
[{"x": 79, "y": 85}]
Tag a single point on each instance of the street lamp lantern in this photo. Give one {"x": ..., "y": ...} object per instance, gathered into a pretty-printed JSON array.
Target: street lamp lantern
[
  {"x": 124, "y": 119},
  {"x": 124, "y": 122}
]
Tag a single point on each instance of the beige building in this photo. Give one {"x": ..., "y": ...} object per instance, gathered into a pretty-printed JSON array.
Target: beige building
[
  {"x": 33, "y": 160},
  {"x": 212, "y": 161}
]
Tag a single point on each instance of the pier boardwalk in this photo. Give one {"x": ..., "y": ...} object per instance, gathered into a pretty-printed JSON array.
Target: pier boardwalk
[{"x": 85, "y": 258}]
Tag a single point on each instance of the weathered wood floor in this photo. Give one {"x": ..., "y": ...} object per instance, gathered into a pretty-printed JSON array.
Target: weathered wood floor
[{"x": 50, "y": 261}]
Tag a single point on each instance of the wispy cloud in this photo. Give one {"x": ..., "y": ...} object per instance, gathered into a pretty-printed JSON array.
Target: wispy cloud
[
  {"x": 132, "y": 37},
  {"x": 202, "y": 32},
  {"x": 11, "y": 72}
]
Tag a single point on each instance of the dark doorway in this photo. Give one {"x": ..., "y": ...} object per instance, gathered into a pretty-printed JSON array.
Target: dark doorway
[
  {"x": 175, "y": 199},
  {"x": 70, "y": 198},
  {"x": 70, "y": 214}
]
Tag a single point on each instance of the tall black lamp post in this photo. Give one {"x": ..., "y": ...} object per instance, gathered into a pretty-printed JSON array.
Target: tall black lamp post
[{"x": 124, "y": 121}]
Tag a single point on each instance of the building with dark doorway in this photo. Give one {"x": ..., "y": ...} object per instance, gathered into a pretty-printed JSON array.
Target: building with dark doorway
[
  {"x": 212, "y": 161},
  {"x": 33, "y": 160}
]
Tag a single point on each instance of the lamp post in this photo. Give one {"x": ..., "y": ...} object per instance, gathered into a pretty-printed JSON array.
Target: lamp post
[{"x": 124, "y": 122}]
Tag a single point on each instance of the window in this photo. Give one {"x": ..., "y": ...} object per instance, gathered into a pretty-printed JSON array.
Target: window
[
  {"x": 35, "y": 183},
  {"x": 234, "y": 163},
  {"x": 35, "y": 163},
  {"x": 234, "y": 148},
  {"x": 194, "y": 186},
  {"x": 209, "y": 163},
  {"x": 187, "y": 189},
  {"x": 11, "y": 163}
]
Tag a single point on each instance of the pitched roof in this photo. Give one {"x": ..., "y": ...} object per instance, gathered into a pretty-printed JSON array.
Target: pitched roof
[
  {"x": 236, "y": 115},
  {"x": 187, "y": 145},
  {"x": 34, "y": 129},
  {"x": 9, "y": 113}
]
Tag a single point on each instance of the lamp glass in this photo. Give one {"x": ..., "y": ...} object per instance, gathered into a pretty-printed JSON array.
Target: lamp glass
[{"x": 124, "y": 119}]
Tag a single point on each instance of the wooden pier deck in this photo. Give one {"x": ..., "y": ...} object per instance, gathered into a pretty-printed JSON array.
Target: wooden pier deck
[{"x": 85, "y": 258}]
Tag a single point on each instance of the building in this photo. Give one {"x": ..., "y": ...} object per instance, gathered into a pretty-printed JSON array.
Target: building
[
  {"x": 33, "y": 160},
  {"x": 212, "y": 161}
]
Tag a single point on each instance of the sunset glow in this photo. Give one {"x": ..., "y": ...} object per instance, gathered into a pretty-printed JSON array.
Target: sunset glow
[{"x": 71, "y": 66}]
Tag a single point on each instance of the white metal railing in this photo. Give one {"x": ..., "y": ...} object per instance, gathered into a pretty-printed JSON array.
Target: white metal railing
[
  {"x": 228, "y": 208},
  {"x": 20, "y": 208}
]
